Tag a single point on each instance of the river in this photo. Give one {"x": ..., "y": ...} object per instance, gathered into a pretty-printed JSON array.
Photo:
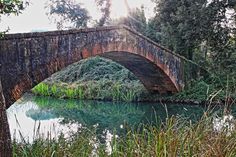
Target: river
[{"x": 34, "y": 116}]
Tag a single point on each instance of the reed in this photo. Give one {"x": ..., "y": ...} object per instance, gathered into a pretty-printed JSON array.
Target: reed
[
  {"x": 116, "y": 92},
  {"x": 128, "y": 96}
]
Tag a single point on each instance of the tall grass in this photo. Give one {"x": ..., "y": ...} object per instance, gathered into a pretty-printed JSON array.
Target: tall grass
[
  {"x": 174, "y": 137},
  {"x": 78, "y": 145}
]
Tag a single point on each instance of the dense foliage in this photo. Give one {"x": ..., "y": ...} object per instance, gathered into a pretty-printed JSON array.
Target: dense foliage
[
  {"x": 183, "y": 24},
  {"x": 105, "y": 8}
]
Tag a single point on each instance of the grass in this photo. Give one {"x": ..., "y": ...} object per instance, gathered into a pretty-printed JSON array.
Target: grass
[
  {"x": 176, "y": 136},
  {"x": 76, "y": 146}
]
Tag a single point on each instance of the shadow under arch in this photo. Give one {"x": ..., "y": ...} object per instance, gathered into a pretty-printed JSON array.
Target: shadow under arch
[{"x": 152, "y": 77}]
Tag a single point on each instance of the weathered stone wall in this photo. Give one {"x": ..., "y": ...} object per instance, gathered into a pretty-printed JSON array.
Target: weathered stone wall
[{"x": 27, "y": 59}]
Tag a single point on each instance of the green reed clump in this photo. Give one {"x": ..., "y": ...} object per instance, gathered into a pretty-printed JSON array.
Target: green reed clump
[
  {"x": 129, "y": 96},
  {"x": 70, "y": 93},
  {"x": 54, "y": 90},
  {"x": 95, "y": 78},
  {"x": 80, "y": 92},
  {"x": 42, "y": 89},
  {"x": 177, "y": 137}
]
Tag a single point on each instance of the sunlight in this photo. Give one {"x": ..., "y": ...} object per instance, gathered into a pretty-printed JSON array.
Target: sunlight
[{"x": 118, "y": 9}]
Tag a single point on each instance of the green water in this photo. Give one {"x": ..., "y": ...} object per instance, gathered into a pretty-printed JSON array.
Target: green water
[{"x": 46, "y": 114}]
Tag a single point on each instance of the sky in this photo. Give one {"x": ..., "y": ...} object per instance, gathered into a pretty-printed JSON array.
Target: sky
[{"x": 34, "y": 17}]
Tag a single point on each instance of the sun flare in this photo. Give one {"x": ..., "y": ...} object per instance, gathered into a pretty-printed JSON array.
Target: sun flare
[{"x": 118, "y": 9}]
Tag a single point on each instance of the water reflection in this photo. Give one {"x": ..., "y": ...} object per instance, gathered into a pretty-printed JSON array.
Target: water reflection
[
  {"x": 67, "y": 116},
  {"x": 24, "y": 127}
]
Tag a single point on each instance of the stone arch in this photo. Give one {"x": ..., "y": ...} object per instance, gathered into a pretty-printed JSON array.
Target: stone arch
[{"x": 27, "y": 59}]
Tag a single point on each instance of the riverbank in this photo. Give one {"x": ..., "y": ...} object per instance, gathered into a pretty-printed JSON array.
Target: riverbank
[{"x": 163, "y": 100}]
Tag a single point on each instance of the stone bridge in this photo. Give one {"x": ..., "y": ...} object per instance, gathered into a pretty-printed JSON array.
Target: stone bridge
[{"x": 29, "y": 58}]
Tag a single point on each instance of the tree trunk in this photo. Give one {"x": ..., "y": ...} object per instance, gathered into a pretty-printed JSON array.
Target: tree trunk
[{"x": 5, "y": 137}]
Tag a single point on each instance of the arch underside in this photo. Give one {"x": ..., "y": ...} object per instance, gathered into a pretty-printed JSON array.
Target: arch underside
[{"x": 152, "y": 76}]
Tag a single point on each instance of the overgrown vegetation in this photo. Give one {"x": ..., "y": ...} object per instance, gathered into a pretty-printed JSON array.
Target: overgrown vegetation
[
  {"x": 95, "y": 78},
  {"x": 215, "y": 88},
  {"x": 101, "y": 79}
]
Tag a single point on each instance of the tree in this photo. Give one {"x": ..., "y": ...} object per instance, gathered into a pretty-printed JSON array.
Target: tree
[
  {"x": 153, "y": 30},
  {"x": 105, "y": 8},
  {"x": 5, "y": 137},
  {"x": 69, "y": 13},
  {"x": 7, "y": 7},
  {"x": 72, "y": 13},
  {"x": 11, "y": 6},
  {"x": 185, "y": 24}
]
